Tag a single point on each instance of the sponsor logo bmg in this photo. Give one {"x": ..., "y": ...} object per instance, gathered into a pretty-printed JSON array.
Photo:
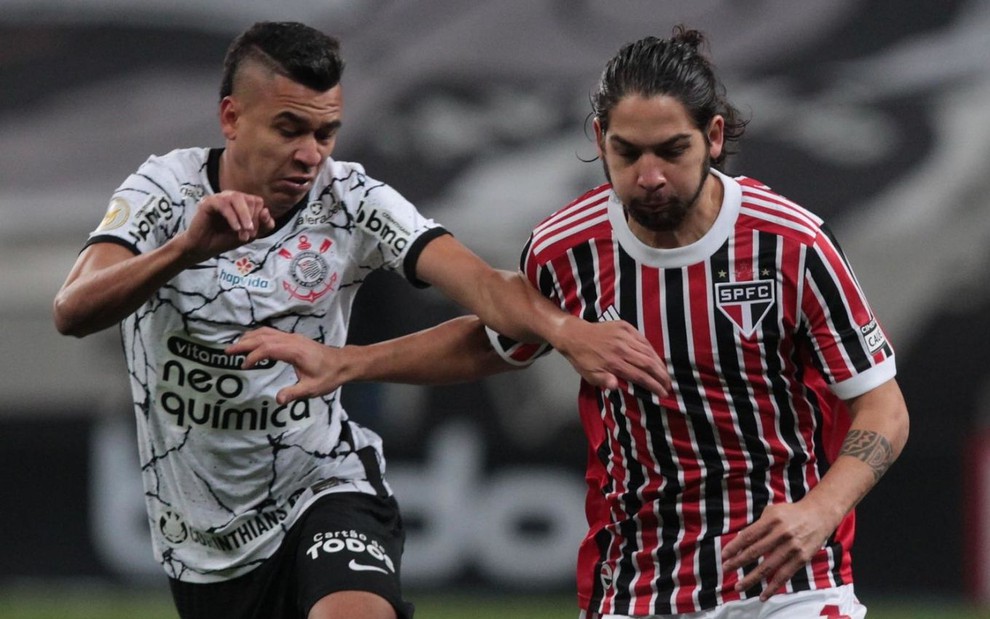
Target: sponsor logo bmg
[{"x": 390, "y": 231}]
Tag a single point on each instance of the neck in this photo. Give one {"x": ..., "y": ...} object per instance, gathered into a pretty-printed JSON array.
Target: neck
[{"x": 225, "y": 173}]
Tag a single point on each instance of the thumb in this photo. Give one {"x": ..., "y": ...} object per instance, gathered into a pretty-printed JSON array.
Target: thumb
[
  {"x": 291, "y": 394},
  {"x": 606, "y": 380}
]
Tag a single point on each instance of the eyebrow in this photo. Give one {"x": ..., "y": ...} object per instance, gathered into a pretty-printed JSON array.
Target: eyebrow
[
  {"x": 299, "y": 120},
  {"x": 671, "y": 141}
]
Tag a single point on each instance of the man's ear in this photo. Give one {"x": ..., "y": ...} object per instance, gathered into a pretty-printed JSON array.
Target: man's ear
[
  {"x": 599, "y": 136},
  {"x": 716, "y": 137},
  {"x": 229, "y": 114}
]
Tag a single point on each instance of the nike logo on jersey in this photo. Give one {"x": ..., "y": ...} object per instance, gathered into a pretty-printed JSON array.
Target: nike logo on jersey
[{"x": 359, "y": 567}]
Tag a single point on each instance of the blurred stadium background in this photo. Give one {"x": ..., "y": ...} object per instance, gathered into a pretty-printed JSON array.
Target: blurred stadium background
[{"x": 871, "y": 113}]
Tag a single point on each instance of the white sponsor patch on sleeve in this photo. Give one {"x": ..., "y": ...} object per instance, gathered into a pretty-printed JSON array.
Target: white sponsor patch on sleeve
[{"x": 873, "y": 336}]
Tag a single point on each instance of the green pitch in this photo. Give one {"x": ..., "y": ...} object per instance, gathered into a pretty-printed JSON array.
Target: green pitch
[{"x": 38, "y": 602}]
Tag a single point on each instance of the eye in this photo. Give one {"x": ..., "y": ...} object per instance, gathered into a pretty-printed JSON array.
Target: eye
[
  {"x": 627, "y": 154},
  {"x": 287, "y": 131},
  {"x": 325, "y": 135},
  {"x": 673, "y": 152}
]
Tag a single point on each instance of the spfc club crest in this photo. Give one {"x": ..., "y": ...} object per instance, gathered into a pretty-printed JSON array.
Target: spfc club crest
[{"x": 745, "y": 303}]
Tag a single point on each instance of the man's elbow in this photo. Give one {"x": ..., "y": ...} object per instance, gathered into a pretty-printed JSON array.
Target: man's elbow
[
  {"x": 67, "y": 319},
  {"x": 903, "y": 428}
]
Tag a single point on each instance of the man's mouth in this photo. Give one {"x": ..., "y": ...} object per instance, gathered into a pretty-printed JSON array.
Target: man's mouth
[{"x": 299, "y": 182}]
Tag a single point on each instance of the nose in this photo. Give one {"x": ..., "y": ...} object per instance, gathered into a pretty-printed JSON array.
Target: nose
[
  {"x": 309, "y": 153},
  {"x": 649, "y": 173}
]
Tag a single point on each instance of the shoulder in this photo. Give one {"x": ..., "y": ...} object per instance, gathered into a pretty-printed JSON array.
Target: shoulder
[
  {"x": 178, "y": 162},
  {"x": 349, "y": 184},
  {"x": 167, "y": 173},
  {"x": 339, "y": 171},
  {"x": 582, "y": 219},
  {"x": 766, "y": 210}
]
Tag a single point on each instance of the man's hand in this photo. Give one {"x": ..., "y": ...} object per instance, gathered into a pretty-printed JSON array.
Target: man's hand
[
  {"x": 605, "y": 353},
  {"x": 320, "y": 369},
  {"x": 224, "y": 221},
  {"x": 783, "y": 540}
]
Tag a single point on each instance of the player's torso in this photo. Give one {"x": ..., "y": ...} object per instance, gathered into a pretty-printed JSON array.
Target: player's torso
[
  {"x": 740, "y": 429},
  {"x": 225, "y": 465}
]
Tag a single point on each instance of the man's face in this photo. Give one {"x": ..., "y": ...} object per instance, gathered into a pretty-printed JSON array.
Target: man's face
[
  {"x": 279, "y": 134},
  {"x": 657, "y": 159}
]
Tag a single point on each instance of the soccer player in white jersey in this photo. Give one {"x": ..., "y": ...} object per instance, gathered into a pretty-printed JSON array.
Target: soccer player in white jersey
[
  {"x": 733, "y": 495},
  {"x": 259, "y": 508}
]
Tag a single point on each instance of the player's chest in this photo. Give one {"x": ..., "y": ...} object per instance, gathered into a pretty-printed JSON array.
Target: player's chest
[
  {"x": 742, "y": 301},
  {"x": 300, "y": 272}
]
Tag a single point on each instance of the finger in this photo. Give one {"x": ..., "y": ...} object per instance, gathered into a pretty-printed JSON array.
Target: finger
[
  {"x": 240, "y": 211},
  {"x": 290, "y": 394},
  {"x": 249, "y": 341},
  {"x": 246, "y": 344},
  {"x": 774, "y": 580},
  {"x": 302, "y": 390},
  {"x": 254, "y": 357},
  {"x": 747, "y": 547},
  {"x": 246, "y": 208},
  {"x": 649, "y": 372},
  {"x": 260, "y": 214},
  {"x": 265, "y": 220},
  {"x": 603, "y": 379},
  {"x": 748, "y": 581},
  {"x": 646, "y": 367},
  {"x": 224, "y": 205},
  {"x": 775, "y": 569},
  {"x": 773, "y": 586},
  {"x": 634, "y": 375}
]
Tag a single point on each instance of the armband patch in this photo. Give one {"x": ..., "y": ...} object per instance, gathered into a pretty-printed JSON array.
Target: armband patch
[
  {"x": 873, "y": 336},
  {"x": 117, "y": 215}
]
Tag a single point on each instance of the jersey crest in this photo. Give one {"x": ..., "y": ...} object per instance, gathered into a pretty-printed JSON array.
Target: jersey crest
[
  {"x": 746, "y": 304},
  {"x": 309, "y": 271}
]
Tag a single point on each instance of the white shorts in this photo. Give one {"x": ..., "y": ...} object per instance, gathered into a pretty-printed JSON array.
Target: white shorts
[{"x": 840, "y": 601}]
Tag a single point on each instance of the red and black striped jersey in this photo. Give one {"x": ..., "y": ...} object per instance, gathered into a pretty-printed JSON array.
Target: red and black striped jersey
[{"x": 765, "y": 331}]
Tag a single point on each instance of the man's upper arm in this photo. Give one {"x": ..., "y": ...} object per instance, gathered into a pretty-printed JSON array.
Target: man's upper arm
[
  {"x": 96, "y": 257},
  {"x": 445, "y": 257},
  {"x": 451, "y": 267}
]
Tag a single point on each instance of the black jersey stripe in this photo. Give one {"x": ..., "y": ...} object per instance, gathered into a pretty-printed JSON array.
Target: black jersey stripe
[
  {"x": 741, "y": 400},
  {"x": 704, "y": 442},
  {"x": 583, "y": 258},
  {"x": 666, "y": 503},
  {"x": 833, "y": 298},
  {"x": 628, "y": 298},
  {"x": 789, "y": 428}
]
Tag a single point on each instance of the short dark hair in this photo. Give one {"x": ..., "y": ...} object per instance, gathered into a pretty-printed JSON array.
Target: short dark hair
[
  {"x": 296, "y": 51},
  {"x": 675, "y": 67}
]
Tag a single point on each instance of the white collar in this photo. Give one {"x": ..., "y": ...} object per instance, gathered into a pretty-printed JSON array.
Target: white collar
[{"x": 688, "y": 254}]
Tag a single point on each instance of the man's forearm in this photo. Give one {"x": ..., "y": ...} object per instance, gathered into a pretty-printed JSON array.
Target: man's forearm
[
  {"x": 874, "y": 441},
  {"x": 109, "y": 283},
  {"x": 451, "y": 352}
]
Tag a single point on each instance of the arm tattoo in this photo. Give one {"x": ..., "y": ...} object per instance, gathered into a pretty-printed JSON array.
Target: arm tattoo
[{"x": 870, "y": 447}]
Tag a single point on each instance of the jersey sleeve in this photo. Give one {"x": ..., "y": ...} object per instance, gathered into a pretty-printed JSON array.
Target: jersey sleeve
[
  {"x": 850, "y": 346},
  {"x": 393, "y": 232},
  {"x": 144, "y": 211},
  {"x": 516, "y": 353}
]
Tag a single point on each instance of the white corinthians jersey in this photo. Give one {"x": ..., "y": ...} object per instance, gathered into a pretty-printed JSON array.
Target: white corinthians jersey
[{"x": 227, "y": 470}]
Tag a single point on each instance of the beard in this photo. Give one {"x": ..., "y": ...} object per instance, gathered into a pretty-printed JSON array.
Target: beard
[{"x": 668, "y": 215}]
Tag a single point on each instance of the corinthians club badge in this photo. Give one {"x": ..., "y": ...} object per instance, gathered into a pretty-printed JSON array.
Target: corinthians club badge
[{"x": 308, "y": 270}]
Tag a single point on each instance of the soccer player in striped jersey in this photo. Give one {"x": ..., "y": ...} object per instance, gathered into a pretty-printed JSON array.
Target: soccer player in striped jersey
[
  {"x": 260, "y": 509},
  {"x": 733, "y": 494}
]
